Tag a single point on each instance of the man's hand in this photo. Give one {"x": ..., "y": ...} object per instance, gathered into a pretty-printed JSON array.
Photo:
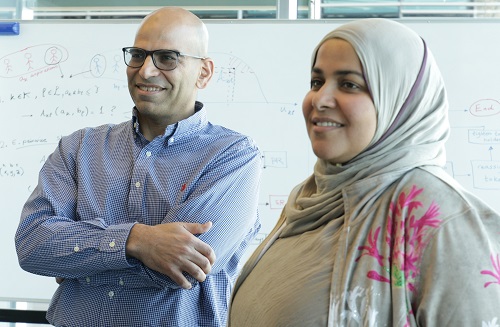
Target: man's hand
[{"x": 172, "y": 249}]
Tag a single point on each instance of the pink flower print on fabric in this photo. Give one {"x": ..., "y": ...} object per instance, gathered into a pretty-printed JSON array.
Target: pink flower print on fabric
[
  {"x": 405, "y": 237},
  {"x": 495, "y": 273},
  {"x": 371, "y": 249}
]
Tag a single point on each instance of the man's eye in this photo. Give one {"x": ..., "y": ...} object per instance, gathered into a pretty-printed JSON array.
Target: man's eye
[
  {"x": 136, "y": 55},
  {"x": 165, "y": 56}
]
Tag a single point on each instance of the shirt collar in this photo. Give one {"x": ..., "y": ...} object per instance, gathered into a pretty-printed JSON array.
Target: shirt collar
[{"x": 191, "y": 124}]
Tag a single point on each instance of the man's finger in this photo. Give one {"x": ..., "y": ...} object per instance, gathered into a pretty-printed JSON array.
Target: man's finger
[
  {"x": 202, "y": 262},
  {"x": 180, "y": 280},
  {"x": 195, "y": 228},
  {"x": 207, "y": 252},
  {"x": 195, "y": 271}
]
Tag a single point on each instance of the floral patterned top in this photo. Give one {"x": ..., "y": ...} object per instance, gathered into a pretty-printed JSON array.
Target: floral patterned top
[{"x": 424, "y": 252}]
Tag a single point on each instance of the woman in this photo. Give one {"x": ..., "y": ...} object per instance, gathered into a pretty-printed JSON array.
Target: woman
[{"x": 379, "y": 235}]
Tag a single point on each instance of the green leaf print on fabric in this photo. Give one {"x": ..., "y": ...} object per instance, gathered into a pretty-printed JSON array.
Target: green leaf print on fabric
[{"x": 405, "y": 237}]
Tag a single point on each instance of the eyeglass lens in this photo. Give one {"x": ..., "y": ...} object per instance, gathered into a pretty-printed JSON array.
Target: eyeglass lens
[{"x": 162, "y": 59}]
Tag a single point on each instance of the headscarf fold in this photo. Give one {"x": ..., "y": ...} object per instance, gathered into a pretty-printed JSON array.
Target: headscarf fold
[{"x": 412, "y": 124}]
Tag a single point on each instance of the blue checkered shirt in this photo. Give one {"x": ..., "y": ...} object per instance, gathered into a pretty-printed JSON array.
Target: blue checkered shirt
[{"x": 100, "y": 181}]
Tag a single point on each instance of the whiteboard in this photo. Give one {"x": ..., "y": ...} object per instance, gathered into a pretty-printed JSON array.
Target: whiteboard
[{"x": 56, "y": 77}]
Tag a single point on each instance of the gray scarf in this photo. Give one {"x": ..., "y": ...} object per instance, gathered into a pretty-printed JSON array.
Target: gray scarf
[{"x": 412, "y": 126}]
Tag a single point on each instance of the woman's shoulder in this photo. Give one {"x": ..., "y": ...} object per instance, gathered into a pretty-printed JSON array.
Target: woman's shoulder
[{"x": 435, "y": 190}]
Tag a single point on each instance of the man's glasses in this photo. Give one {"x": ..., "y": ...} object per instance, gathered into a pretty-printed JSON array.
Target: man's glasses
[{"x": 162, "y": 59}]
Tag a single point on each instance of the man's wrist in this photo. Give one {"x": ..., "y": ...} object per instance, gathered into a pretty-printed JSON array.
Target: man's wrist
[{"x": 134, "y": 241}]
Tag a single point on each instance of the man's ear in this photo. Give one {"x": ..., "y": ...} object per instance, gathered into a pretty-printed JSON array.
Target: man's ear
[{"x": 206, "y": 72}]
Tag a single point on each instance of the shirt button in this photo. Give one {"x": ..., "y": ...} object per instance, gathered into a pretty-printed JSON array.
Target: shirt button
[
  {"x": 112, "y": 244},
  {"x": 137, "y": 184},
  {"x": 87, "y": 279},
  {"x": 148, "y": 154},
  {"x": 111, "y": 294},
  {"x": 76, "y": 248},
  {"x": 121, "y": 282},
  {"x": 171, "y": 140}
]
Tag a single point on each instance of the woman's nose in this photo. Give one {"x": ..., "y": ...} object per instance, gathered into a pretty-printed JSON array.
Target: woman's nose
[{"x": 325, "y": 98}]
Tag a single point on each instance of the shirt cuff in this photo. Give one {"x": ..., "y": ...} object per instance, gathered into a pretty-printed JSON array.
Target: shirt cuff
[{"x": 113, "y": 246}]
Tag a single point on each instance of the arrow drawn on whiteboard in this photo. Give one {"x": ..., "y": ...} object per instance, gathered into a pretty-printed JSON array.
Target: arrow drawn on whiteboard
[
  {"x": 460, "y": 110},
  {"x": 60, "y": 70},
  {"x": 72, "y": 75},
  {"x": 97, "y": 66}
]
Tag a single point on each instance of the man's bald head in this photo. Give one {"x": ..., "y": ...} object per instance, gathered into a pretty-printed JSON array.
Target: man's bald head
[{"x": 178, "y": 23}]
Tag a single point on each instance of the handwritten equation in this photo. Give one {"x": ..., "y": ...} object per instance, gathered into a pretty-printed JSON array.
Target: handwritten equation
[
  {"x": 11, "y": 170},
  {"x": 53, "y": 92},
  {"x": 18, "y": 143}
]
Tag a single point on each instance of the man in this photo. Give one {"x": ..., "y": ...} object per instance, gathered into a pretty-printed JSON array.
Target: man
[{"x": 144, "y": 222}]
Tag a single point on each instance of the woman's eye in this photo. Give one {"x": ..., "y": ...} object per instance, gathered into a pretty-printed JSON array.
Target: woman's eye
[
  {"x": 350, "y": 85},
  {"x": 316, "y": 84}
]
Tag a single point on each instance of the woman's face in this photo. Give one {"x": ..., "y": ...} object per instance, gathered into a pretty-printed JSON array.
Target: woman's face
[{"x": 339, "y": 112}]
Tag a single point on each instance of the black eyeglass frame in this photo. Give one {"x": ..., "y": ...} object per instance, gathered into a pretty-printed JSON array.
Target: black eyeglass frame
[{"x": 152, "y": 52}]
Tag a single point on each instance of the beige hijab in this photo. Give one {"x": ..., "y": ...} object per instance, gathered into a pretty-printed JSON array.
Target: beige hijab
[{"x": 410, "y": 98}]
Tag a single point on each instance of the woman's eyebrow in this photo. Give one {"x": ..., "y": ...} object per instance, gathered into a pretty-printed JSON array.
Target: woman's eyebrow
[{"x": 339, "y": 72}]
